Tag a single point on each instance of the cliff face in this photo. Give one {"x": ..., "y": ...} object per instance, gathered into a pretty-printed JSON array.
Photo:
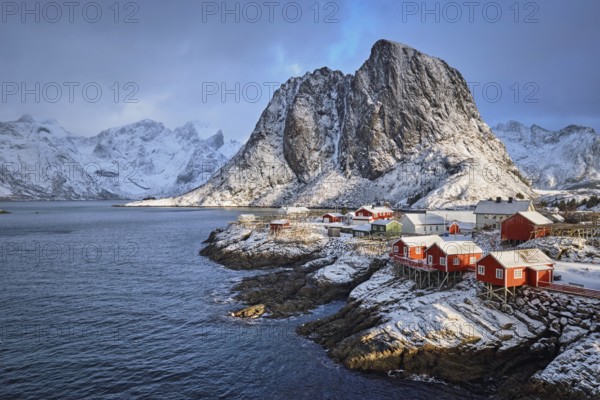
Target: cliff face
[{"x": 404, "y": 127}]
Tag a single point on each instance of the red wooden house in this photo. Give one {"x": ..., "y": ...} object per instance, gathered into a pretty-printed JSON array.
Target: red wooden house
[
  {"x": 523, "y": 226},
  {"x": 453, "y": 256},
  {"x": 368, "y": 214},
  {"x": 333, "y": 217},
  {"x": 459, "y": 228},
  {"x": 278, "y": 225},
  {"x": 512, "y": 268},
  {"x": 413, "y": 247}
]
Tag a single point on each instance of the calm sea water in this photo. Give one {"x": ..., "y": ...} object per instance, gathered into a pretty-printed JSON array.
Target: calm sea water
[{"x": 110, "y": 303}]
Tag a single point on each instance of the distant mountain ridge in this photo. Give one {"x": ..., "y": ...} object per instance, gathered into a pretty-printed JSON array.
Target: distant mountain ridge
[
  {"x": 403, "y": 128},
  {"x": 565, "y": 159},
  {"x": 41, "y": 160}
]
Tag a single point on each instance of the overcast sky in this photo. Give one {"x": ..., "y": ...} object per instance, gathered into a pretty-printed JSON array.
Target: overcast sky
[{"x": 217, "y": 62}]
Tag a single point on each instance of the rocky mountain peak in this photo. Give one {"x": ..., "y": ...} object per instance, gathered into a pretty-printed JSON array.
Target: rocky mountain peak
[
  {"x": 216, "y": 141},
  {"x": 26, "y": 118},
  {"x": 402, "y": 109}
]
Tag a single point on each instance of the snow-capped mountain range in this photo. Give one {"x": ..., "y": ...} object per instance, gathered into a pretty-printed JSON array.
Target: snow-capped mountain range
[
  {"x": 40, "y": 160},
  {"x": 403, "y": 128},
  {"x": 564, "y": 159}
]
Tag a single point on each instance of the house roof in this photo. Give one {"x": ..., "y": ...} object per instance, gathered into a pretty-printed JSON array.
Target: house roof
[
  {"x": 363, "y": 228},
  {"x": 280, "y": 222},
  {"x": 383, "y": 222},
  {"x": 424, "y": 241},
  {"x": 557, "y": 217},
  {"x": 521, "y": 258},
  {"x": 535, "y": 217},
  {"x": 455, "y": 215},
  {"x": 464, "y": 225},
  {"x": 376, "y": 209},
  {"x": 502, "y": 208},
  {"x": 424, "y": 219},
  {"x": 334, "y": 215},
  {"x": 459, "y": 247}
]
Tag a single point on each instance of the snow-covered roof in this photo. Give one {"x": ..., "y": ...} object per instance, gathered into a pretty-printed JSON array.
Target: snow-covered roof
[
  {"x": 455, "y": 215},
  {"x": 293, "y": 210},
  {"x": 376, "y": 209},
  {"x": 535, "y": 217},
  {"x": 502, "y": 208},
  {"x": 521, "y": 258},
  {"x": 424, "y": 219},
  {"x": 424, "y": 241},
  {"x": 383, "y": 222},
  {"x": 460, "y": 247},
  {"x": 464, "y": 225},
  {"x": 557, "y": 217},
  {"x": 334, "y": 215},
  {"x": 363, "y": 227},
  {"x": 280, "y": 222}
]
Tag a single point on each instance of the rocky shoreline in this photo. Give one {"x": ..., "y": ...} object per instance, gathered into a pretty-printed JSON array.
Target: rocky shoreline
[{"x": 539, "y": 345}]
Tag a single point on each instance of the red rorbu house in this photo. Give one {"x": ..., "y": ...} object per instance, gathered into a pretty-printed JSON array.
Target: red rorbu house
[
  {"x": 505, "y": 270},
  {"x": 460, "y": 228},
  {"x": 333, "y": 217},
  {"x": 455, "y": 256},
  {"x": 408, "y": 254},
  {"x": 524, "y": 226},
  {"x": 278, "y": 225},
  {"x": 413, "y": 247},
  {"x": 368, "y": 214}
]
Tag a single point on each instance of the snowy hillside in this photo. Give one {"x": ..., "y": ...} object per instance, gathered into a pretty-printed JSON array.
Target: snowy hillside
[
  {"x": 403, "y": 128},
  {"x": 40, "y": 160},
  {"x": 564, "y": 159}
]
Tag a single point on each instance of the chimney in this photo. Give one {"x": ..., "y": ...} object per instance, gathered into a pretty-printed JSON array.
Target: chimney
[
  {"x": 498, "y": 199},
  {"x": 510, "y": 199}
]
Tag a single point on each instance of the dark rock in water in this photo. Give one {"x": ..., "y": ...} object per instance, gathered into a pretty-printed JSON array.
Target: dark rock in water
[
  {"x": 292, "y": 292},
  {"x": 250, "y": 312}
]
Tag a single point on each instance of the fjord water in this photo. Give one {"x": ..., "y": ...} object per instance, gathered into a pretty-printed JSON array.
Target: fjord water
[{"x": 104, "y": 302}]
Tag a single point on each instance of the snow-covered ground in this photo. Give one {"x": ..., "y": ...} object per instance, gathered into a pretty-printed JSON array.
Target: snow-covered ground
[{"x": 587, "y": 275}]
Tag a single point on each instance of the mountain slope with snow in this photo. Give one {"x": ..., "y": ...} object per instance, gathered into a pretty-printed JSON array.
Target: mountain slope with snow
[
  {"x": 40, "y": 160},
  {"x": 564, "y": 159},
  {"x": 403, "y": 128}
]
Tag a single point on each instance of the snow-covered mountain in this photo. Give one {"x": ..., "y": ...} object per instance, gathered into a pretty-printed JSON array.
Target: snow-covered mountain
[
  {"x": 403, "y": 128},
  {"x": 564, "y": 159},
  {"x": 40, "y": 160}
]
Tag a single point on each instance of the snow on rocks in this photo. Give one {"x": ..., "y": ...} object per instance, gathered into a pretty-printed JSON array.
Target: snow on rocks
[
  {"x": 238, "y": 247},
  {"x": 573, "y": 374},
  {"x": 568, "y": 248}
]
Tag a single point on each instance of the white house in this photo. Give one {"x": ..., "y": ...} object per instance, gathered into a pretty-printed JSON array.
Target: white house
[
  {"x": 491, "y": 213},
  {"x": 422, "y": 224}
]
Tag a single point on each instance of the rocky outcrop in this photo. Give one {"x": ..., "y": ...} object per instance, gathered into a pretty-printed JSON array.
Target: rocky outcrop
[
  {"x": 238, "y": 247},
  {"x": 310, "y": 269},
  {"x": 389, "y": 325},
  {"x": 404, "y": 127}
]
